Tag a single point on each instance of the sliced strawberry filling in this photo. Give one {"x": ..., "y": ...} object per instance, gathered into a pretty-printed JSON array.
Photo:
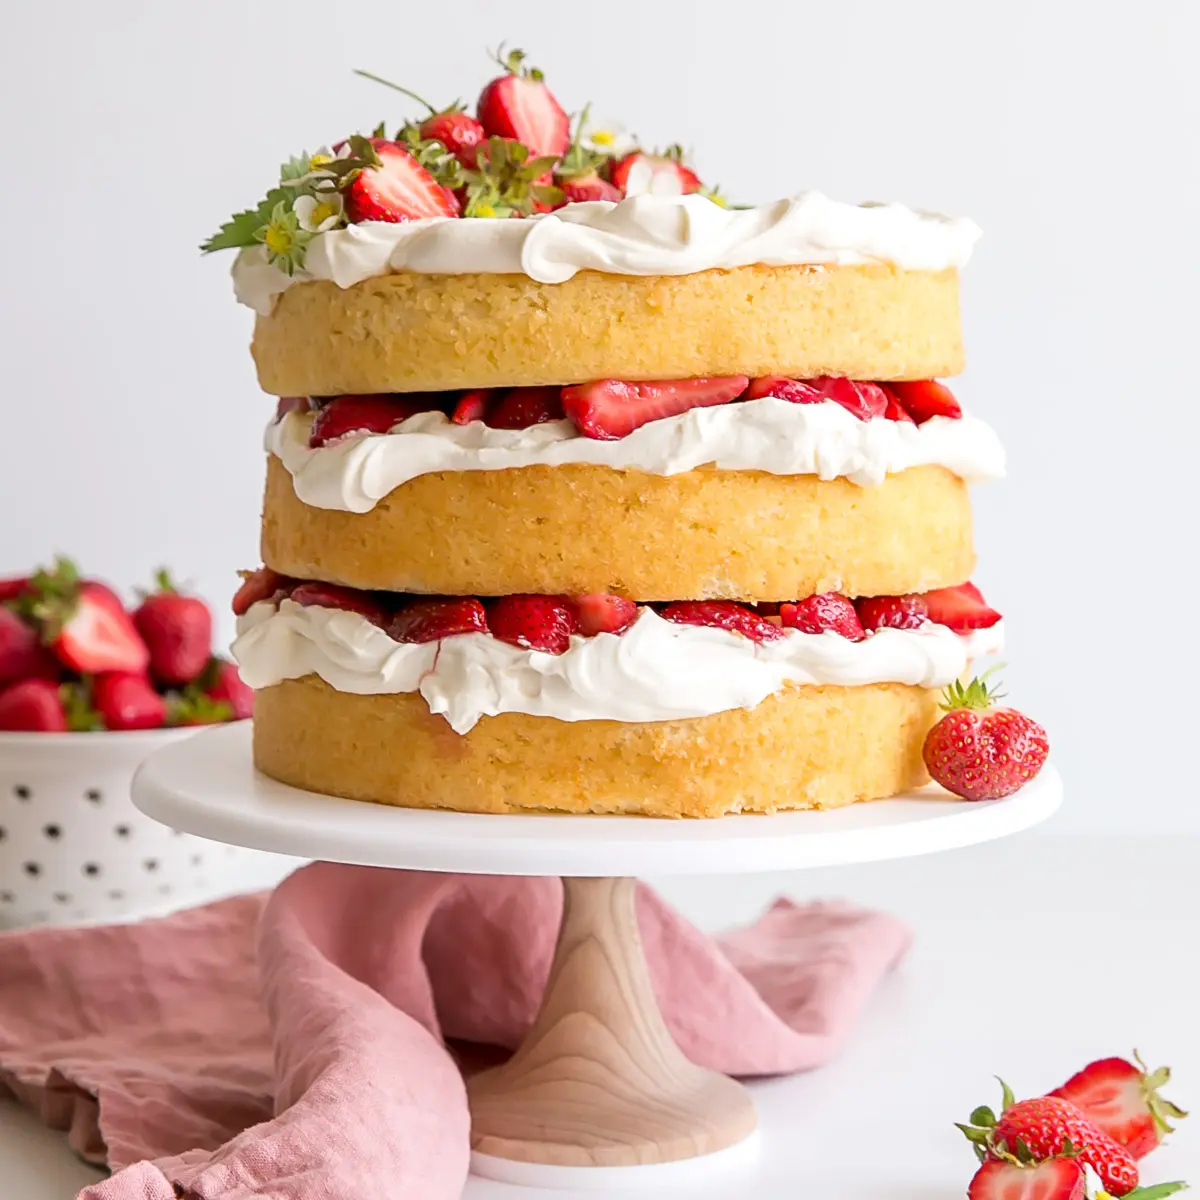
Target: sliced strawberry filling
[
  {"x": 547, "y": 623},
  {"x": 609, "y": 409}
]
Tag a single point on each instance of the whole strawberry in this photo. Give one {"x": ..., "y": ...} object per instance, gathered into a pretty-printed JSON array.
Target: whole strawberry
[
  {"x": 1030, "y": 1131},
  {"x": 177, "y": 630},
  {"x": 981, "y": 752},
  {"x": 1121, "y": 1098}
]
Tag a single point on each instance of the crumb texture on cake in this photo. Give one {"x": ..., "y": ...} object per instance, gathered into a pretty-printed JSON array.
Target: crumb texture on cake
[
  {"x": 705, "y": 534},
  {"x": 807, "y": 747},
  {"x": 410, "y": 332}
]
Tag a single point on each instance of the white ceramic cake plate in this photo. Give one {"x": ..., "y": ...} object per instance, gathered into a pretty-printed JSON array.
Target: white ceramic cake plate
[{"x": 598, "y": 1097}]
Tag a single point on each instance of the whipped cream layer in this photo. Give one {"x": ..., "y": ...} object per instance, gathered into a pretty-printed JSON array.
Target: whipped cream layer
[
  {"x": 643, "y": 235},
  {"x": 756, "y": 435},
  {"x": 655, "y": 671}
]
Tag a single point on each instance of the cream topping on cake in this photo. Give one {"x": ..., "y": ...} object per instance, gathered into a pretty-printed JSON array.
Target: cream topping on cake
[
  {"x": 642, "y": 235},
  {"x": 656, "y": 670},
  {"x": 769, "y": 435}
]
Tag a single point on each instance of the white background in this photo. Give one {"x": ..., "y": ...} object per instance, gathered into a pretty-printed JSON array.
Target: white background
[{"x": 1067, "y": 129}]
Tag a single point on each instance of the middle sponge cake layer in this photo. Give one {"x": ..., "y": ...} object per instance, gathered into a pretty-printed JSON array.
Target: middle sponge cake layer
[{"x": 576, "y": 529}]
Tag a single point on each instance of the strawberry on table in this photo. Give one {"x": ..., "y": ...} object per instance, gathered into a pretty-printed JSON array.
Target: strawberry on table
[
  {"x": 981, "y": 752},
  {"x": 345, "y": 417},
  {"x": 518, "y": 408},
  {"x": 32, "y": 706},
  {"x": 431, "y": 619},
  {"x": 177, "y": 630},
  {"x": 1055, "y": 1179},
  {"x": 611, "y": 408},
  {"x": 723, "y": 614},
  {"x": 925, "y": 398},
  {"x": 127, "y": 700},
  {"x": 519, "y": 105},
  {"x": 602, "y": 612},
  {"x": 1121, "y": 1098},
  {"x": 533, "y": 622},
  {"x": 1047, "y": 1128},
  {"x": 399, "y": 188},
  {"x": 83, "y": 622},
  {"x": 828, "y": 611},
  {"x": 665, "y": 174}
]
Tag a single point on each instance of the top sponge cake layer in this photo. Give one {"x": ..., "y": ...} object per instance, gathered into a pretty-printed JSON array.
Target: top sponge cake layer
[{"x": 412, "y": 332}]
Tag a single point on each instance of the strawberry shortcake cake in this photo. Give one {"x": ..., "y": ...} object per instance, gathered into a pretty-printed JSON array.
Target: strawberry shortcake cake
[{"x": 587, "y": 492}]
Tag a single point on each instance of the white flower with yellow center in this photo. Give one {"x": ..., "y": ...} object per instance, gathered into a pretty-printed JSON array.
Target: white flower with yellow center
[
  {"x": 318, "y": 213},
  {"x": 316, "y": 167},
  {"x": 608, "y": 138}
]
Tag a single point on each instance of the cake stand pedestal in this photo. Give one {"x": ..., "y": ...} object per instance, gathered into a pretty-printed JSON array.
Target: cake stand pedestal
[{"x": 598, "y": 1095}]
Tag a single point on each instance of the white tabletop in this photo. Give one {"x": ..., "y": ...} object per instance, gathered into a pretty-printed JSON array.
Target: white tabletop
[{"x": 1033, "y": 955}]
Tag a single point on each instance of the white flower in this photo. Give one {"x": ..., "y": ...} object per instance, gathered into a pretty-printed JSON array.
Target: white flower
[
  {"x": 318, "y": 213},
  {"x": 645, "y": 180},
  {"x": 608, "y": 138},
  {"x": 316, "y": 166}
]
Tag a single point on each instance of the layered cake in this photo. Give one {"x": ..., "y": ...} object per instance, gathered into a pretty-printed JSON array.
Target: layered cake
[{"x": 589, "y": 493}]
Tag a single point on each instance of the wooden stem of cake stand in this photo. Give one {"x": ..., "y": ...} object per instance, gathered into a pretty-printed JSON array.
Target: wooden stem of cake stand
[{"x": 599, "y": 1080}]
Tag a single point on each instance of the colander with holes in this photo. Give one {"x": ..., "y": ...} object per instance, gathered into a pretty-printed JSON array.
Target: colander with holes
[{"x": 74, "y": 849}]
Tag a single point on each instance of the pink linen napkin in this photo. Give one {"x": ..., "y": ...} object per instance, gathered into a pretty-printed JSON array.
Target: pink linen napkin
[{"x": 293, "y": 1047}]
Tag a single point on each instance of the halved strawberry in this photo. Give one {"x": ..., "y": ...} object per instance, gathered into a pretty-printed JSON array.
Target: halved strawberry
[
  {"x": 533, "y": 622},
  {"x": 896, "y": 411},
  {"x": 611, "y": 408},
  {"x": 263, "y": 584},
  {"x": 797, "y": 391},
  {"x": 127, "y": 700},
  {"x": 1007, "y": 1179},
  {"x": 471, "y": 406},
  {"x": 22, "y": 655},
  {"x": 518, "y": 408},
  {"x": 723, "y": 614},
  {"x": 1121, "y": 1099},
  {"x": 816, "y": 614},
  {"x": 399, "y": 189},
  {"x": 601, "y": 612},
  {"x": 94, "y": 633},
  {"x": 519, "y": 105},
  {"x": 662, "y": 174},
  {"x": 925, "y": 398},
  {"x": 32, "y": 706},
  {"x": 864, "y": 400},
  {"x": 458, "y": 131},
  {"x": 582, "y": 188},
  {"x": 334, "y": 595},
  {"x": 354, "y": 416},
  {"x": 892, "y": 612},
  {"x": 430, "y": 620},
  {"x": 961, "y": 608}
]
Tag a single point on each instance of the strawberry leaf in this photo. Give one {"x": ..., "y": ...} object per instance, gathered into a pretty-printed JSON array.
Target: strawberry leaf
[
  {"x": 1157, "y": 1191},
  {"x": 245, "y": 228}
]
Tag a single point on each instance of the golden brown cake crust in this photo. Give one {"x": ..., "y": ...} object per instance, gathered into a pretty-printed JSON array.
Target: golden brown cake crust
[
  {"x": 409, "y": 332},
  {"x": 575, "y": 529},
  {"x": 810, "y": 747}
]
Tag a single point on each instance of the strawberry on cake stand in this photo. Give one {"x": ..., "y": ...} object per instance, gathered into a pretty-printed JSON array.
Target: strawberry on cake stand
[{"x": 592, "y": 501}]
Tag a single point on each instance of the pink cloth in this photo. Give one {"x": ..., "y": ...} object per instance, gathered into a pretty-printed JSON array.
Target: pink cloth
[{"x": 291, "y": 1047}]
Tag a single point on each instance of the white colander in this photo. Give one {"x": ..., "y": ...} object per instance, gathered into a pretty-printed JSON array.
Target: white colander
[{"x": 74, "y": 849}]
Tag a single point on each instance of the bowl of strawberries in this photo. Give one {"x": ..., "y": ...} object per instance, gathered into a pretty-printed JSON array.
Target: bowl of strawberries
[{"x": 88, "y": 688}]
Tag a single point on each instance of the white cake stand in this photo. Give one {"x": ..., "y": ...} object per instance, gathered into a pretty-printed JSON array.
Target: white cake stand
[{"x": 598, "y": 1096}]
